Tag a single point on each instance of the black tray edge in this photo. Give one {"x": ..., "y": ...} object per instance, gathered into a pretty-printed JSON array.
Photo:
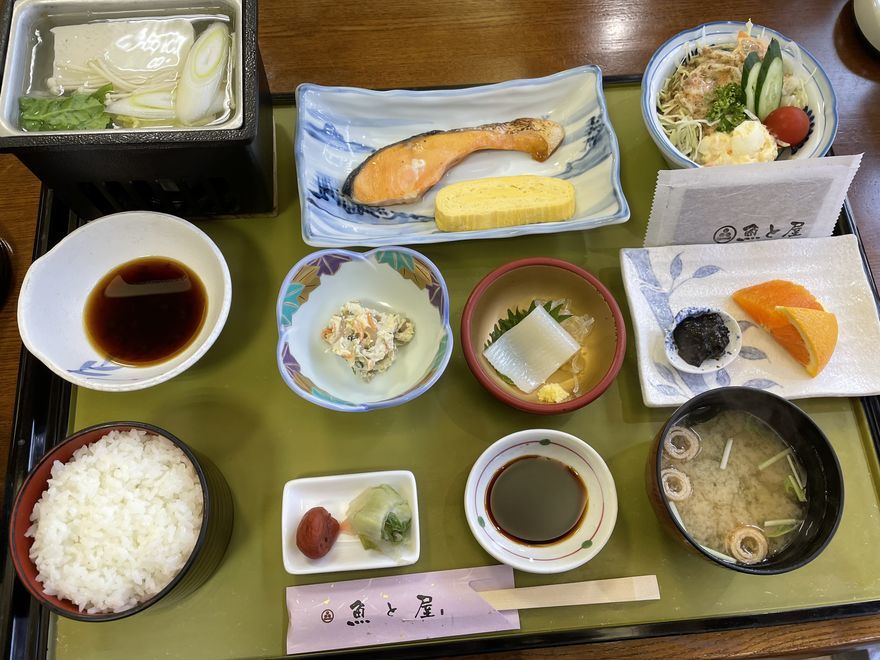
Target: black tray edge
[{"x": 41, "y": 420}]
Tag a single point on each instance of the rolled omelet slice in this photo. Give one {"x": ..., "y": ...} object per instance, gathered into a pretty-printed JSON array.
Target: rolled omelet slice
[{"x": 504, "y": 201}]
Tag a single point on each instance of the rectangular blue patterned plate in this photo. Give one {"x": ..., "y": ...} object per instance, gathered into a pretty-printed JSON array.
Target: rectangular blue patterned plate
[{"x": 338, "y": 127}]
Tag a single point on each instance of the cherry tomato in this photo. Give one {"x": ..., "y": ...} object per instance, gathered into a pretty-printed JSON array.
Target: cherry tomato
[{"x": 788, "y": 124}]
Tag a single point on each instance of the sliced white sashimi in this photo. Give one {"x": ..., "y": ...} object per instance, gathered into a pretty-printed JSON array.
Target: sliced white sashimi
[{"x": 532, "y": 350}]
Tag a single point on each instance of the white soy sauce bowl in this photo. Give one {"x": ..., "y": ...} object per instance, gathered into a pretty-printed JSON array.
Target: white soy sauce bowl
[
  {"x": 588, "y": 536},
  {"x": 731, "y": 351},
  {"x": 56, "y": 286}
]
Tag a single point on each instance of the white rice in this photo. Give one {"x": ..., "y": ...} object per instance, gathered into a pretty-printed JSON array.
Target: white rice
[{"x": 117, "y": 522}]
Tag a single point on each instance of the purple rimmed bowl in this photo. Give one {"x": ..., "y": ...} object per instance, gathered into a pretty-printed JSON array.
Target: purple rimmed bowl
[{"x": 394, "y": 279}]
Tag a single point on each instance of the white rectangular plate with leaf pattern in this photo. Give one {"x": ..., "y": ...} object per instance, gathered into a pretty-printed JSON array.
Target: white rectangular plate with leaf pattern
[
  {"x": 660, "y": 281},
  {"x": 338, "y": 127}
]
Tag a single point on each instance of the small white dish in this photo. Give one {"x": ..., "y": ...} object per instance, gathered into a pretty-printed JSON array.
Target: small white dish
[
  {"x": 579, "y": 546},
  {"x": 57, "y": 285},
  {"x": 734, "y": 344},
  {"x": 337, "y": 128},
  {"x": 867, "y": 14},
  {"x": 334, "y": 493}
]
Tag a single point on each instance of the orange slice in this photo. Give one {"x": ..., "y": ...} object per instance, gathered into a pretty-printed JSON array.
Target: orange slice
[
  {"x": 817, "y": 336},
  {"x": 762, "y": 301}
]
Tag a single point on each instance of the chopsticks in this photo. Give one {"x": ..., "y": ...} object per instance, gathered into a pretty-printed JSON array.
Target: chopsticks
[{"x": 616, "y": 590}]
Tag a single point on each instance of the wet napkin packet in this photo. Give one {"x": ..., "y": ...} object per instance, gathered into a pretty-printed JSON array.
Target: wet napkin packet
[
  {"x": 396, "y": 608},
  {"x": 750, "y": 203}
]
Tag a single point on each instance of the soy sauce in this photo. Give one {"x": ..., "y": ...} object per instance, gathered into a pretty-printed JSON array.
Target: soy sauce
[
  {"x": 145, "y": 311},
  {"x": 536, "y": 500}
]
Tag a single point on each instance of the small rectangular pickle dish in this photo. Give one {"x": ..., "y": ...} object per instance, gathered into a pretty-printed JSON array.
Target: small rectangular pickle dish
[{"x": 334, "y": 493}]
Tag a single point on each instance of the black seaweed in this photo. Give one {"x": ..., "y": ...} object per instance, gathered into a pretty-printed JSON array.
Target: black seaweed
[{"x": 701, "y": 337}]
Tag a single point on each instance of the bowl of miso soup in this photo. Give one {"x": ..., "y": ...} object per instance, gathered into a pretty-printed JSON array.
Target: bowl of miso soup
[{"x": 747, "y": 480}]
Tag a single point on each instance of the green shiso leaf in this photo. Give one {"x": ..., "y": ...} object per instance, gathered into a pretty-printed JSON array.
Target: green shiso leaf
[{"x": 514, "y": 316}]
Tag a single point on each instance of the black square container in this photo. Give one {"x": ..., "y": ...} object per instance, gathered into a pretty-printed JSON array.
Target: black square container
[{"x": 191, "y": 172}]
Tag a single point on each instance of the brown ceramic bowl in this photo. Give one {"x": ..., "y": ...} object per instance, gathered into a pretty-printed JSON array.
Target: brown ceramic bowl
[
  {"x": 824, "y": 478},
  {"x": 204, "y": 559},
  {"x": 515, "y": 285}
]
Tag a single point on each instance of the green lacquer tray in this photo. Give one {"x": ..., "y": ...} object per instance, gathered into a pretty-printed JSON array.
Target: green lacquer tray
[{"x": 234, "y": 407}]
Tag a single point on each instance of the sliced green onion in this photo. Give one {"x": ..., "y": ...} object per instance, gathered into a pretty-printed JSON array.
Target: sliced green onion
[
  {"x": 781, "y": 527},
  {"x": 726, "y": 455},
  {"x": 149, "y": 105},
  {"x": 770, "y": 461},
  {"x": 202, "y": 74},
  {"x": 791, "y": 486},
  {"x": 795, "y": 472}
]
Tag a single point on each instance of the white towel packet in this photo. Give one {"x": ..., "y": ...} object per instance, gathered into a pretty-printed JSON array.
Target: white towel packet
[{"x": 747, "y": 203}]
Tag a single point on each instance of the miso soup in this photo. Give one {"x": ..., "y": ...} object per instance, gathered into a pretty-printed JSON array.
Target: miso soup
[{"x": 735, "y": 485}]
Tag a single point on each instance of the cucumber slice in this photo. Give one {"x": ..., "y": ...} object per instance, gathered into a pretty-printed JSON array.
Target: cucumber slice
[
  {"x": 768, "y": 91},
  {"x": 751, "y": 68}
]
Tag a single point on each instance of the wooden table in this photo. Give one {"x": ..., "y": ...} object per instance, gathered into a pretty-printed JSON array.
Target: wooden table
[{"x": 407, "y": 43}]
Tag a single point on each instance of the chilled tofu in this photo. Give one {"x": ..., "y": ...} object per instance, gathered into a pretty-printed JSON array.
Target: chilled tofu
[{"x": 90, "y": 54}]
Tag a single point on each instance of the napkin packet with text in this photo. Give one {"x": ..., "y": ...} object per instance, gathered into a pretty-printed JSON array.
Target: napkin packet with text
[{"x": 748, "y": 203}]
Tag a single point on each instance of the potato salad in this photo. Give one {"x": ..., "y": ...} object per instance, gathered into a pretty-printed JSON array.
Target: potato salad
[{"x": 367, "y": 339}]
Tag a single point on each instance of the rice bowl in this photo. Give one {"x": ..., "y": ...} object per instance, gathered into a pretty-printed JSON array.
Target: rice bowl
[
  {"x": 109, "y": 558},
  {"x": 116, "y": 518}
]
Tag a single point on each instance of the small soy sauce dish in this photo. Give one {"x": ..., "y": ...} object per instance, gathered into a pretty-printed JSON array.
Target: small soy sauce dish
[
  {"x": 541, "y": 501},
  {"x": 702, "y": 340}
]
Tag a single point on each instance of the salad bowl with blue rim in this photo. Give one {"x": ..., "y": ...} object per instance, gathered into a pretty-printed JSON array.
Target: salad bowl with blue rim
[
  {"x": 821, "y": 100},
  {"x": 392, "y": 279}
]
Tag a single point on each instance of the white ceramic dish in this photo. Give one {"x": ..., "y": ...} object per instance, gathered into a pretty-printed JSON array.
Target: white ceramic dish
[
  {"x": 338, "y": 127},
  {"x": 867, "y": 14},
  {"x": 395, "y": 279},
  {"x": 334, "y": 493},
  {"x": 822, "y": 102},
  {"x": 734, "y": 344},
  {"x": 662, "y": 279},
  {"x": 56, "y": 286},
  {"x": 578, "y": 547}
]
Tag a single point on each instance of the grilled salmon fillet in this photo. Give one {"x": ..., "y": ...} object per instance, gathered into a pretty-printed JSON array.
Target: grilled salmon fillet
[{"x": 404, "y": 171}]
